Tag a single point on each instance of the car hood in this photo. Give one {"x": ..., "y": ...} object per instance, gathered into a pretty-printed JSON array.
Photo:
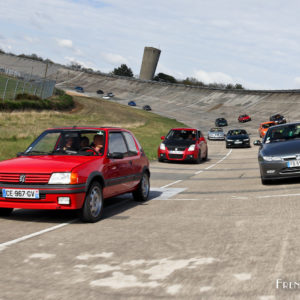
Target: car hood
[
  {"x": 43, "y": 164},
  {"x": 285, "y": 148},
  {"x": 238, "y": 137},
  {"x": 182, "y": 143}
]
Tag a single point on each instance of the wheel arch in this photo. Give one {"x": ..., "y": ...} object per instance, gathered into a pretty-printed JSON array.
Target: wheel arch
[{"x": 95, "y": 176}]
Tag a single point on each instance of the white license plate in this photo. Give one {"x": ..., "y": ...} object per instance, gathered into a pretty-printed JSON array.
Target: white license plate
[
  {"x": 18, "y": 193},
  {"x": 175, "y": 152},
  {"x": 238, "y": 142},
  {"x": 293, "y": 163}
]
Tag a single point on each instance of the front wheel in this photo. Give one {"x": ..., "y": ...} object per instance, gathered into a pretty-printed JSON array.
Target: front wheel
[
  {"x": 142, "y": 192},
  {"x": 4, "y": 212},
  {"x": 93, "y": 205},
  {"x": 205, "y": 157}
]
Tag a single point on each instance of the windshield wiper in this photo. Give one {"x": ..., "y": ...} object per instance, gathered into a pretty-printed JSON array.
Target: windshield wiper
[{"x": 37, "y": 152}]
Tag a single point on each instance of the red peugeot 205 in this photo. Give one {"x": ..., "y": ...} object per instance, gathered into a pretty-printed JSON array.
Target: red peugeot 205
[
  {"x": 244, "y": 118},
  {"x": 183, "y": 144},
  {"x": 75, "y": 168}
]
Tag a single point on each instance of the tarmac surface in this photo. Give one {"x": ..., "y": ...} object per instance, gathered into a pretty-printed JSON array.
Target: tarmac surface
[{"x": 208, "y": 231}]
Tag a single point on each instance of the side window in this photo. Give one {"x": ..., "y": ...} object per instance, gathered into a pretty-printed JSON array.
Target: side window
[
  {"x": 116, "y": 143},
  {"x": 199, "y": 134},
  {"x": 130, "y": 143}
]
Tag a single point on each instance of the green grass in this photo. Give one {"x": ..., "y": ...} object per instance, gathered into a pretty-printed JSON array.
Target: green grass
[{"x": 18, "y": 129}]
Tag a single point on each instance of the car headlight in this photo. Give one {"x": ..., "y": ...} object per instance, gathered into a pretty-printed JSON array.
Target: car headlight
[
  {"x": 272, "y": 158},
  {"x": 228, "y": 140},
  {"x": 191, "y": 148},
  {"x": 60, "y": 178},
  {"x": 162, "y": 146}
]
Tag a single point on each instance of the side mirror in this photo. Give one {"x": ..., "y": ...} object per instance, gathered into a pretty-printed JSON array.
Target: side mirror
[
  {"x": 115, "y": 155},
  {"x": 257, "y": 143},
  {"x": 162, "y": 137}
]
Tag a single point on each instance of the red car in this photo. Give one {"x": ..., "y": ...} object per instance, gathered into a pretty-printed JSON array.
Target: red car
[
  {"x": 183, "y": 144},
  {"x": 62, "y": 169},
  {"x": 244, "y": 118}
]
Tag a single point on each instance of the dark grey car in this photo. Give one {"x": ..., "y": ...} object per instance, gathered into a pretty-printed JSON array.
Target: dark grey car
[
  {"x": 237, "y": 138},
  {"x": 279, "y": 154}
]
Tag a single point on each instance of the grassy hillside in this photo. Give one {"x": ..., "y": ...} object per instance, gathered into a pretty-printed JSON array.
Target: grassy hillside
[{"x": 19, "y": 129}]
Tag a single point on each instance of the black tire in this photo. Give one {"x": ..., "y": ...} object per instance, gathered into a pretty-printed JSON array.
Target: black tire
[
  {"x": 227, "y": 146},
  {"x": 142, "y": 192},
  {"x": 161, "y": 160},
  {"x": 93, "y": 204},
  {"x": 4, "y": 212},
  {"x": 205, "y": 157},
  {"x": 198, "y": 159}
]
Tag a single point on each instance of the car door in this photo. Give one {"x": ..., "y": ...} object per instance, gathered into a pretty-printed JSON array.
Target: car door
[
  {"x": 121, "y": 168},
  {"x": 134, "y": 159}
]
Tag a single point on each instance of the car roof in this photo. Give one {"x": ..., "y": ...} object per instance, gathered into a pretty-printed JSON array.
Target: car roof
[
  {"x": 85, "y": 128},
  {"x": 268, "y": 122},
  {"x": 184, "y": 128}
]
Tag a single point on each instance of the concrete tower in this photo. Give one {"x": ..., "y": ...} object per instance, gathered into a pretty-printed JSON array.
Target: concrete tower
[{"x": 149, "y": 63}]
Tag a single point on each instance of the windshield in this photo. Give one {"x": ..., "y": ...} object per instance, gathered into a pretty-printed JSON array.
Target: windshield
[
  {"x": 267, "y": 125},
  {"x": 216, "y": 130},
  {"x": 182, "y": 135},
  {"x": 68, "y": 142},
  {"x": 283, "y": 133},
  {"x": 237, "y": 132}
]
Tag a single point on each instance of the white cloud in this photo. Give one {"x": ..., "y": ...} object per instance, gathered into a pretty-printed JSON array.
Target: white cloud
[
  {"x": 114, "y": 58},
  {"x": 64, "y": 43},
  {"x": 212, "y": 77},
  {"x": 297, "y": 82}
]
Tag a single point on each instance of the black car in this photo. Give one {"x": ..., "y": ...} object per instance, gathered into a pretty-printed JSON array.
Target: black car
[
  {"x": 221, "y": 122},
  {"x": 237, "y": 138},
  {"x": 79, "y": 89},
  {"x": 278, "y": 119},
  {"x": 147, "y": 107},
  {"x": 100, "y": 92},
  {"x": 279, "y": 153}
]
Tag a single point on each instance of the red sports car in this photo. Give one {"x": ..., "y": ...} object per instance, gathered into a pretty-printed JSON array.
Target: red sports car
[
  {"x": 244, "y": 118},
  {"x": 75, "y": 168},
  {"x": 183, "y": 144}
]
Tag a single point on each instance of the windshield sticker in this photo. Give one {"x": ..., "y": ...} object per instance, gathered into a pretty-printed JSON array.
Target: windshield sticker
[{"x": 101, "y": 132}]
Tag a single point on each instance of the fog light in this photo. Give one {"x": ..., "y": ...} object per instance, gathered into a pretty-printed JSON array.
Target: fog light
[
  {"x": 64, "y": 200},
  {"x": 270, "y": 171}
]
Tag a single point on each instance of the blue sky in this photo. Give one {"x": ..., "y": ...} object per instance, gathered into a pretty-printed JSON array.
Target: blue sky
[{"x": 252, "y": 42}]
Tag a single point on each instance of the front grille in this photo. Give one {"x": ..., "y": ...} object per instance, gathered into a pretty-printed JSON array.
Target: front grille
[
  {"x": 290, "y": 170},
  {"x": 175, "y": 148},
  {"x": 29, "y": 179},
  {"x": 176, "y": 156}
]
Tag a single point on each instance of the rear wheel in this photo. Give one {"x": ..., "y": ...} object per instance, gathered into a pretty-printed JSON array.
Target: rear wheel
[
  {"x": 93, "y": 205},
  {"x": 142, "y": 192},
  {"x": 198, "y": 159},
  {"x": 5, "y": 211}
]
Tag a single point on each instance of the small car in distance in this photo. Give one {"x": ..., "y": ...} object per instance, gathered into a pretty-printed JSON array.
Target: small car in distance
[
  {"x": 244, "y": 118},
  {"x": 263, "y": 128},
  {"x": 100, "y": 92},
  {"x": 79, "y": 89},
  {"x": 131, "y": 103},
  {"x": 62, "y": 169},
  {"x": 147, "y": 107},
  {"x": 183, "y": 144},
  {"x": 279, "y": 153},
  {"x": 237, "y": 138},
  {"x": 220, "y": 122},
  {"x": 278, "y": 119},
  {"x": 216, "y": 133}
]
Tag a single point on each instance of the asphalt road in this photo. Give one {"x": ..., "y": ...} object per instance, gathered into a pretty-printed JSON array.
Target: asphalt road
[{"x": 209, "y": 231}]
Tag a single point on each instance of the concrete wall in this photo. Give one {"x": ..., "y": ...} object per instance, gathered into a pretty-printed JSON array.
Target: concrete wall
[{"x": 149, "y": 63}]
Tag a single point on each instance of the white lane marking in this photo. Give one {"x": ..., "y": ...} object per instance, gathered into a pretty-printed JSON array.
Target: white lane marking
[
  {"x": 87, "y": 256},
  {"x": 173, "y": 289},
  {"x": 164, "y": 193},
  {"x": 273, "y": 196},
  {"x": 200, "y": 171},
  {"x": 243, "y": 276},
  {"x": 29, "y": 236},
  {"x": 177, "y": 181}
]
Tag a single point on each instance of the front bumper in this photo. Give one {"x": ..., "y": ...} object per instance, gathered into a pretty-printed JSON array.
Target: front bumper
[
  {"x": 277, "y": 170},
  {"x": 219, "y": 138},
  {"x": 184, "y": 156},
  {"x": 234, "y": 144},
  {"x": 48, "y": 197}
]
